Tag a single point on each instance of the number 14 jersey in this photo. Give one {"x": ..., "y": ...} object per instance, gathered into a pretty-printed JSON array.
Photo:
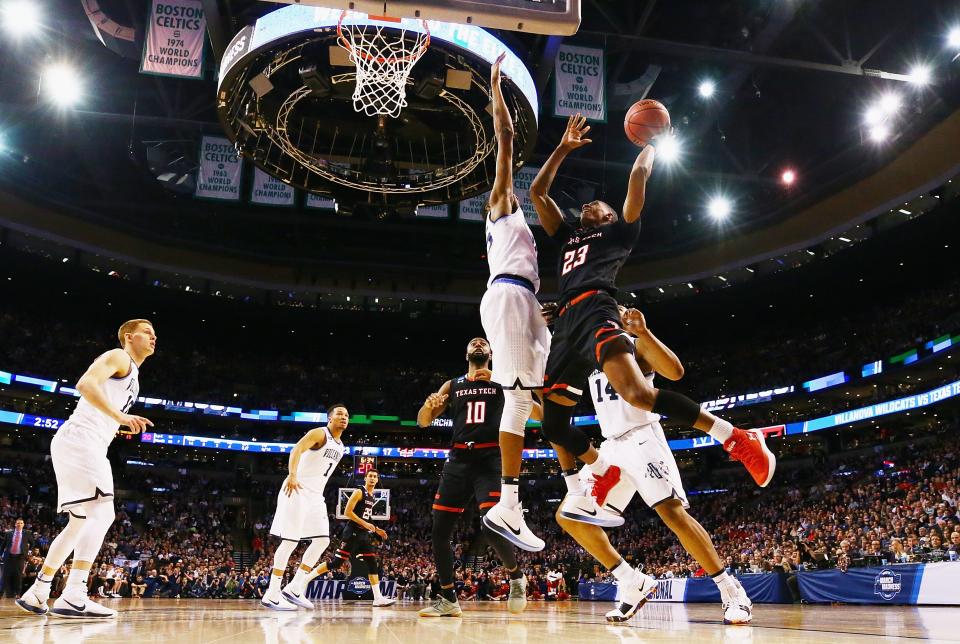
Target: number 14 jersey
[{"x": 476, "y": 406}]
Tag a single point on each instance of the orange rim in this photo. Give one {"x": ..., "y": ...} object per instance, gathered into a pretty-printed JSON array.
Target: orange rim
[{"x": 345, "y": 43}]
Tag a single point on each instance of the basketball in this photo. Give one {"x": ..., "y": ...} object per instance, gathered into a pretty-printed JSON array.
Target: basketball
[{"x": 644, "y": 120}]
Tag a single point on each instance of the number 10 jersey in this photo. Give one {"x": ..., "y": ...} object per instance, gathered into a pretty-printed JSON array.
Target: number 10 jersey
[{"x": 476, "y": 407}]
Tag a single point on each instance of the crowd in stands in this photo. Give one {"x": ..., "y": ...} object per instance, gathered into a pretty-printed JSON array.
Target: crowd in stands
[{"x": 888, "y": 504}]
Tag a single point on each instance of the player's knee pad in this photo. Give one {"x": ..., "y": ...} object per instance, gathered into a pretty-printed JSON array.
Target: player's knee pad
[
  {"x": 282, "y": 554},
  {"x": 99, "y": 518},
  {"x": 443, "y": 524},
  {"x": 315, "y": 550},
  {"x": 556, "y": 428},
  {"x": 517, "y": 404},
  {"x": 99, "y": 514},
  {"x": 335, "y": 563},
  {"x": 373, "y": 564}
]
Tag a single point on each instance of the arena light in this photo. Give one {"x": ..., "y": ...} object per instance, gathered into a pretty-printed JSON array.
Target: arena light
[
  {"x": 707, "y": 89},
  {"x": 873, "y": 116},
  {"x": 719, "y": 208},
  {"x": 920, "y": 74},
  {"x": 788, "y": 177},
  {"x": 20, "y": 18},
  {"x": 62, "y": 85},
  {"x": 668, "y": 148},
  {"x": 953, "y": 38},
  {"x": 890, "y": 103},
  {"x": 879, "y": 133}
]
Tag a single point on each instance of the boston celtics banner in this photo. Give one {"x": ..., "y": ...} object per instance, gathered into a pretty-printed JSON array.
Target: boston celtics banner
[
  {"x": 474, "y": 208},
  {"x": 438, "y": 211},
  {"x": 320, "y": 202},
  {"x": 270, "y": 191},
  {"x": 580, "y": 83},
  {"x": 175, "y": 37},
  {"x": 218, "y": 176},
  {"x": 521, "y": 187}
]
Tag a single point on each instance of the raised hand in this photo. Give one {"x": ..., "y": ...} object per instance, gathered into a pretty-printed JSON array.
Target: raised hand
[
  {"x": 482, "y": 374},
  {"x": 577, "y": 128},
  {"x": 633, "y": 321},
  {"x": 436, "y": 401},
  {"x": 495, "y": 70}
]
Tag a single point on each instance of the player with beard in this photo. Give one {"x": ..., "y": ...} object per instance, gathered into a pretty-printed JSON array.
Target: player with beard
[{"x": 471, "y": 470}]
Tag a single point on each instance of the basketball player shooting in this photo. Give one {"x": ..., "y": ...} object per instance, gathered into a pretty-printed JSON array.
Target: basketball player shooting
[
  {"x": 355, "y": 540},
  {"x": 302, "y": 511},
  {"x": 511, "y": 319},
  {"x": 634, "y": 442},
  {"x": 588, "y": 335},
  {"x": 472, "y": 470},
  {"x": 84, "y": 477}
]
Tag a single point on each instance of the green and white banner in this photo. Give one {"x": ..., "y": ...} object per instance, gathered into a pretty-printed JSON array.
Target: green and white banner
[
  {"x": 320, "y": 202},
  {"x": 270, "y": 191},
  {"x": 579, "y": 83},
  {"x": 474, "y": 208},
  {"x": 521, "y": 187},
  {"x": 218, "y": 176},
  {"x": 175, "y": 37}
]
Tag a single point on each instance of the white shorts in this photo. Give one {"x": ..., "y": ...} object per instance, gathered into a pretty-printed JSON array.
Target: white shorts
[
  {"x": 82, "y": 469},
  {"x": 517, "y": 334},
  {"x": 300, "y": 516},
  {"x": 646, "y": 466}
]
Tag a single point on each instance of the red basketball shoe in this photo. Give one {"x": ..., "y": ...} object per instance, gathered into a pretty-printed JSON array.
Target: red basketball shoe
[
  {"x": 604, "y": 483},
  {"x": 750, "y": 448}
]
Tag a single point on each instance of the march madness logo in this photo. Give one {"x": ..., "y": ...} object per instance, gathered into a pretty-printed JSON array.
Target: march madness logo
[{"x": 887, "y": 584}]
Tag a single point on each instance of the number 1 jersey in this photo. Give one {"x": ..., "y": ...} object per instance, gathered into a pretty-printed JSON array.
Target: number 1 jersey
[{"x": 476, "y": 406}]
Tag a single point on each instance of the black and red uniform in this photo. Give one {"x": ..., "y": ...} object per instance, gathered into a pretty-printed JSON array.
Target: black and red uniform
[
  {"x": 588, "y": 322},
  {"x": 473, "y": 467},
  {"x": 355, "y": 541}
]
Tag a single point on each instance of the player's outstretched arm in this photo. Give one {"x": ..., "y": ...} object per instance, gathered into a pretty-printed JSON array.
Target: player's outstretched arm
[
  {"x": 547, "y": 209},
  {"x": 315, "y": 437},
  {"x": 660, "y": 357},
  {"x": 501, "y": 195},
  {"x": 433, "y": 406},
  {"x": 637, "y": 188},
  {"x": 113, "y": 363}
]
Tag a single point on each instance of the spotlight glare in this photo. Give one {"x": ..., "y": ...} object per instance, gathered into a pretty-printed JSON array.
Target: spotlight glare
[
  {"x": 889, "y": 103},
  {"x": 719, "y": 208},
  {"x": 920, "y": 74},
  {"x": 879, "y": 133},
  {"x": 668, "y": 148},
  {"x": 873, "y": 116},
  {"x": 20, "y": 18},
  {"x": 953, "y": 38},
  {"x": 707, "y": 88},
  {"x": 788, "y": 177},
  {"x": 62, "y": 85}
]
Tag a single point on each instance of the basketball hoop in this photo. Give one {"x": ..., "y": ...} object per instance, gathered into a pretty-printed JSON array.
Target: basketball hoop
[{"x": 384, "y": 60}]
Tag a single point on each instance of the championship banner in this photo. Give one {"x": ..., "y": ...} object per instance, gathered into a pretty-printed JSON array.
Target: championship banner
[
  {"x": 218, "y": 176},
  {"x": 439, "y": 211},
  {"x": 521, "y": 187},
  {"x": 270, "y": 191},
  {"x": 320, "y": 203},
  {"x": 175, "y": 38},
  {"x": 473, "y": 209},
  {"x": 579, "y": 83}
]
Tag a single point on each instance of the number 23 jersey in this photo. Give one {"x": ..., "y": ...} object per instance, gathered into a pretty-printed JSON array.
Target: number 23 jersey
[
  {"x": 476, "y": 406},
  {"x": 590, "y": 258}
]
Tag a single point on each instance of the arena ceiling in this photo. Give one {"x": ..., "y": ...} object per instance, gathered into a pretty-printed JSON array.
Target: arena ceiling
[{"x": 793, "y": 84}]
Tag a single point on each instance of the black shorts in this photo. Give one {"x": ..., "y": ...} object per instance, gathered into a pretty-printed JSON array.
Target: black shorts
[
  {"x": 356, "y": 543},
  {"x": 473, "y": 475},
  {"x": 587, "y": 330}
]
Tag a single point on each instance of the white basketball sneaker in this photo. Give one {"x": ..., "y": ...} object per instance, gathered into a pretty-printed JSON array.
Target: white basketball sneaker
[
  {"x": 35, "y": 599},
  {"x": 517, "y": 600},
  {"x": 75, "y": 603},
  {"x": 583, "y": 508},
  {"x": 738, "y": 609},
  {"x": 633, "y": 595},
  {"x": 276, "y": 601},
  {"x": 384, "y": 601},
  {"x": 510, "y": 524},
  {"x": 297, "y": 596}
]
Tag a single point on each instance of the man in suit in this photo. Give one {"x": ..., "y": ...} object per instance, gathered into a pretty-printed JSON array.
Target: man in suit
[{"x": 15, "y": 546}]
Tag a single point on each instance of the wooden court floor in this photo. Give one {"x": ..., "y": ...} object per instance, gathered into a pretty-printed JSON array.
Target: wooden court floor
[{"x": 236, "y": 621}]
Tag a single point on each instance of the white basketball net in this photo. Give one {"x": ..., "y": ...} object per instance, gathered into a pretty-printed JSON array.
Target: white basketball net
[{"x": 384, "y": 59}]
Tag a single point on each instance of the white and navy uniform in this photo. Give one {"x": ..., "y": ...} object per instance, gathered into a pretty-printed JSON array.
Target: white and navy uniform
[
  {"x": 510, "y": 312},
  {"x": 79, "y": 448},
  {"x": 303, "y": 514},
  {"x": 634, "y": 442}
]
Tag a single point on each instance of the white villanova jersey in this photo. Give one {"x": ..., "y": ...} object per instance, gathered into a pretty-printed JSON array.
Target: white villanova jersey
[
  {"x": 317, "y": 465},
  {"x": 617, "y": 416},
  {"x": 511, "y": 249},
  {"x": 88, "y": 422}
]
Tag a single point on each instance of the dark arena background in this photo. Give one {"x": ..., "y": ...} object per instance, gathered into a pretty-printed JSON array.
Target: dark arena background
[{"x": 208, "y": 166}]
